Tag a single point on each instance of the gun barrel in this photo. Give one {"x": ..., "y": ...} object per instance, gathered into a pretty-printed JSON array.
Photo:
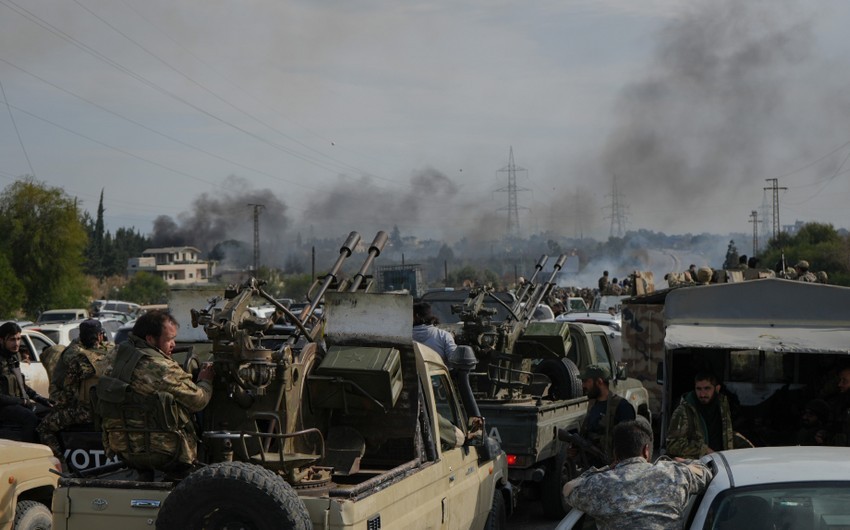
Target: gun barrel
[
  {"x": 374, "y": 251},
  {"x": 542, "y": 290},
  {"x": 523, "y": 290},
  {"x": 344, "y": 252}
]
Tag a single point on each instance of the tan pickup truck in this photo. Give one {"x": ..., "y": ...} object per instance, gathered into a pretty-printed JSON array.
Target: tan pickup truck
[{"x": 26, "y": 485}]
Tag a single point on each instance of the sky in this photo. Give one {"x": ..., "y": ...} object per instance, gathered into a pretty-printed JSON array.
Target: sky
[{"x": 364, "y": 115}]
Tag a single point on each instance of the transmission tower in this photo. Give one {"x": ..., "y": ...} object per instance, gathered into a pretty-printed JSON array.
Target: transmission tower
[
  {"x": 754, "y": 218},
  {"x": 775, "y": 188},
  {"x": 512, "y": 207},
  {"x": 257, "y": 208},
  {"x": 618, "y": 211}
]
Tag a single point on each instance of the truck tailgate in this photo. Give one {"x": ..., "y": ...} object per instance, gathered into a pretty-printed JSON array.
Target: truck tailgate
[
  {"x": 130, "y": 505},
  {"x": 528, "y": 427}
]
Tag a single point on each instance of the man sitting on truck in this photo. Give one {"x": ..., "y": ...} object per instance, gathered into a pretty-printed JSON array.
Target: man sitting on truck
[
  {"x": 149, "y": 394},
  {"x": 604, "y": 411},
  {"x": 702, "y": 423},
  {"x": 74, "y": 375}
]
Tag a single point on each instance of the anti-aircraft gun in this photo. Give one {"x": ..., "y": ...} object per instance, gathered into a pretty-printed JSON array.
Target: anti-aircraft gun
[
  {"x": 257, "y": 411},
  {"x": 345, "y": 424},
  {"x": 518, "y": 355}
]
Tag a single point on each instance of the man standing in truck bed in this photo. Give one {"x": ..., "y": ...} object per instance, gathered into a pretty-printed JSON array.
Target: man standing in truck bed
[{"x": 604, "y": 411}]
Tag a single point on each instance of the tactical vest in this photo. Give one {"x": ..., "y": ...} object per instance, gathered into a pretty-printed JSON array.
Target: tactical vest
[
  {"x": 100, "y": 362},
  {"x": 140, "y": 415},
  {"x": 602, "y": 437},
  {"x": 10, "y": 370}
]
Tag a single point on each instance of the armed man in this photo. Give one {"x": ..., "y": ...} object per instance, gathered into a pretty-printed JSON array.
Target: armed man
[
  {"x": 146, "y": 391},
  {"x": 76, "y": 372},
  {"x": 19, "y": 404},
  {"x": 604, "y": 410}
]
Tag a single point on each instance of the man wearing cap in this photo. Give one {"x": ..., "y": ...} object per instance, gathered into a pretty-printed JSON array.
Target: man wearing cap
[
  {"x": 604, "y": 410},
  {"x": 76, "y": 372},
  {"x": 803, "y": 274}
]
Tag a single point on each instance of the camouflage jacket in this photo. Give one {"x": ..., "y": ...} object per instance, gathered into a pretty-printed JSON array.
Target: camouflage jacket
[
  {"x": 74, "y": 368},
  {"x": 638, "y": 494},
  {"x": 687, "y": 436},
  {"x": 156, "y": 373}
]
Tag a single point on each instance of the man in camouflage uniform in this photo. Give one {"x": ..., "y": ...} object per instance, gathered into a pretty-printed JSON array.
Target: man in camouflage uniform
[
  {"x": 18, "y": 402},
  {"x": 702, "y": 423},
  {"x": 604, "y": 410},
  {"x": 162, "y": 397},
  {"x": 634, "y": 493},
  {"x": 803, "y": 273},
  {"x": 73, "y": 376}
]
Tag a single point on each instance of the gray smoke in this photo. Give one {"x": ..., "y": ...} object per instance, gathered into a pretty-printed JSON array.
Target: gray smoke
[
  {"x": 707, "y": 115},
  {"x": 228, "y": 215}
]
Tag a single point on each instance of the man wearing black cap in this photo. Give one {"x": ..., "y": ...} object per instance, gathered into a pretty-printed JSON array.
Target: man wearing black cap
[
  {"x": 75, "y": 374},
  {"x": 604, "y": 410},
  {"x": 18, "y": 402}
]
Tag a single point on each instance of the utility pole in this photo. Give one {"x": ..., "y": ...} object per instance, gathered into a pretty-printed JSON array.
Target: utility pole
[
  {"x": 754, "y": 218},
  {"x": 618, "y": 211},
  {"x": 257, "y": 208},
  {"x": 512, "y": 207},
  {"x": 775, "y": 188}
]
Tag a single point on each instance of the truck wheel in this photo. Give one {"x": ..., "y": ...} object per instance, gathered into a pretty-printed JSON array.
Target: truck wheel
[
  {"x": 233, "y": 495},
  {"x": 32, "y": 515},
  {"x": 565, "y": 377},
  {"x": 498, "y": 518},
  {"x": 558, "y": 473}
]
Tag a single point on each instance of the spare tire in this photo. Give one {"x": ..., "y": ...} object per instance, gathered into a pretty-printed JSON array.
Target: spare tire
[
  {"x": 233, "y": 495},
  {"x": 565, "y": 377}
]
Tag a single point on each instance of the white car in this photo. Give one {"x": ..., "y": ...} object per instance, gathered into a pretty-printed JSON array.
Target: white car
[
  {"x": 768, "y": 488},
  {"x": 62, "y": 333},
  {"x": 32, "y": 344}
]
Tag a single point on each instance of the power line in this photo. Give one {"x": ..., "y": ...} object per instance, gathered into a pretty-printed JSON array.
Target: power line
[{"x": 17, "y": 132}]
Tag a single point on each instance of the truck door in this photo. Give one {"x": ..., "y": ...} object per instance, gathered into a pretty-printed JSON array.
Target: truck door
[{"x": 462, "y": 507}]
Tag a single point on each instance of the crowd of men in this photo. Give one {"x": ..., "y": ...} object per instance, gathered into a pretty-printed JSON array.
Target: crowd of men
[{"x": 144, "y": 398}]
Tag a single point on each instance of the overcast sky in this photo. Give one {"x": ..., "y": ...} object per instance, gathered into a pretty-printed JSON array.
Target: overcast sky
[{"x": 342, "y": 115}]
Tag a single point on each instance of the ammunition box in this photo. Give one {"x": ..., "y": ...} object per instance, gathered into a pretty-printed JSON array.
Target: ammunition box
[
  {"x": 540, "y": 337},
  {"x": 354, "y": 376}
]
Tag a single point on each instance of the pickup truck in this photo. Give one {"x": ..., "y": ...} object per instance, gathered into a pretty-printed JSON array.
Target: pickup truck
[
  {"x": 527, "y": 381},
  {"x": 26, "y": 485},
  {"x": 348, "y": 425}
]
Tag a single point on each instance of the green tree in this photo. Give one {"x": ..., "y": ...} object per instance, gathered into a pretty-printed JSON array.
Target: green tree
[
  {"x": 819, "y": 244},
  {"x": 127, "y": 243},
  {"x": 295, "y": 286},
  {"x": 731, "y": 260},
  {"x": 45, "y": 240},
  {"x": 145, "y": 288},
  {"x": 12, "y": 294},
  {"x": 95, "y": 251}
]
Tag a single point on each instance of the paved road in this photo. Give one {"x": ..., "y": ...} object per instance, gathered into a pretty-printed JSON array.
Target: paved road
[{"x": 529, "y": 516}]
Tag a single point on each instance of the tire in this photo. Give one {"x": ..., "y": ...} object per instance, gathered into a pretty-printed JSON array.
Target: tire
[
  {"x": 565, "y": 377},
  {"x": 32, "y": 515},
  {"x": 558, "y": 473},
  {"x": 498, "y": 518},
  {"x": 233, "y": 495}
]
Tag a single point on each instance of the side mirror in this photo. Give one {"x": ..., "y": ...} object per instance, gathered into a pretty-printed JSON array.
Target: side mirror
[
  {"x": 659, "y": 373},
  {"x": 622, "y": 372}
]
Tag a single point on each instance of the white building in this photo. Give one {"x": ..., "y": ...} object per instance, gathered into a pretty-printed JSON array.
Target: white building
[{"x": 175, "y": 265}]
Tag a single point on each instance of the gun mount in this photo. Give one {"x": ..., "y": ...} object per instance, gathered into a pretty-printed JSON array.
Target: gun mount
[
  {"x": 510, "y": 350},
  {"x": 260, "y": 411}
]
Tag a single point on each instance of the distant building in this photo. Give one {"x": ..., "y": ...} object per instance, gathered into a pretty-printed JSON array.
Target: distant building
[{"x": 175, "y": 265}]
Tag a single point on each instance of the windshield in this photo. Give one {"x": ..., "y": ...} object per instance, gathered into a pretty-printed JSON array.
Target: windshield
[{"x": 802, "y": 505}]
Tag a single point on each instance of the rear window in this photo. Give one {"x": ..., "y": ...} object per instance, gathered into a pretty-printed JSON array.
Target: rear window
[
  {"x": 801, "y": 505},
  {"x": 57, "y": 317}
]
